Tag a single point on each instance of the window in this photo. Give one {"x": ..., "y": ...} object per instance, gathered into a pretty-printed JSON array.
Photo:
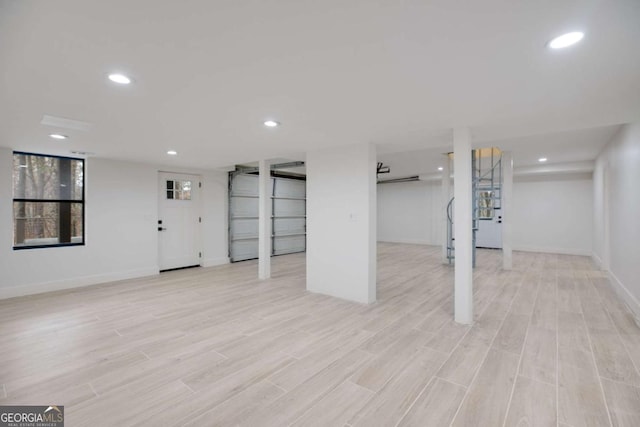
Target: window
[
  {"x": 178, "y": 190},
  {"x": 48, "y": 201}
]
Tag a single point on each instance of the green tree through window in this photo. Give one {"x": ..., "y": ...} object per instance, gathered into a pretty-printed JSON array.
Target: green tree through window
[{"x": 48, "y": 201}]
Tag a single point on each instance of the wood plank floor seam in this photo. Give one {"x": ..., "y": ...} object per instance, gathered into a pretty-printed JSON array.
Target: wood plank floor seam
[
  {"x": 275, "y": 385},
  {"x": 623, "y": 383},
  {"x": 452, "y": 382},
  {"x": 311, "y": 408},
  {"x": 595, "y": 364},
  {"x": 483, "y": 362},
  {"x": 435, "y": 376},
  {"x": 187, "y": 386},
  {"x": 635, "y": 365},
  {"x": 93, "y": 390},
  {"x": 526, "y": 334},
  {"x": 424, "y": 389}
]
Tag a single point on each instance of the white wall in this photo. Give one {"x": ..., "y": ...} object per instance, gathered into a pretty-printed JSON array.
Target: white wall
[
  {"x": 121, "y": 231},
  {"x": 215, "y": 223},
  {"x": 599, "y": 249},
  {"x": 341, "y": 221},
  {"x": 553, "y": 214},
  {"x": 410, "y": 212},
  {"x": 621, "y": 161},
  {"x": 550, "y": 213}
]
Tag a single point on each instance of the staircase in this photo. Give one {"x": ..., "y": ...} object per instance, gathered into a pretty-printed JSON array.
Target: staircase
[{"x": 486, "y": 166}]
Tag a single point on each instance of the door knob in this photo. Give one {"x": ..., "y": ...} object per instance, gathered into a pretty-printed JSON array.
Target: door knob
[{"x": 161, "y": 228}]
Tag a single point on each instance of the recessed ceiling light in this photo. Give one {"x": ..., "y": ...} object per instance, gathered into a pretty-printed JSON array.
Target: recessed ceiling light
[
  {"x": 58, "y": 136},
  {"x": 542, "y": 159},
  {"x": 566, "y": 40},
  {"x": 172, "y": 152},
  {"x": 440, "y": 168},
  {"x": 271, "y": 123},
  {"x": 120, "y": 79}
]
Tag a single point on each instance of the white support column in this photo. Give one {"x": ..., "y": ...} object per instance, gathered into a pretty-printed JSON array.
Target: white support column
[
  {"x": 341, "y": 222},
  {"x": 606, "y": 213},
  {"x": 446, "y": 196},
  {"x": 507, "y": 210},
  {"x": 463, "y": 216},
  {"x": 264, "y": 220}
]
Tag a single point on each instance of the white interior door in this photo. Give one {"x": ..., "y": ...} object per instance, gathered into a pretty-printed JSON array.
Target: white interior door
[
  {"x": 179, "y": 221},
  {"x": 489, "y": 234}
]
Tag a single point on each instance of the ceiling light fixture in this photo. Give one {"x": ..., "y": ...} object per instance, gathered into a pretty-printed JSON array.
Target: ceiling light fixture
[
  {"x": 566, "y": 40},
  {"x": 172, "y": 152},
  {"x": 440, "y": 168},
  {"x": 120, "y": 79},
  {"x": 542, "y": 159},
  {"x": 271, "y": 123},
  {"x": 58, "y": 136}
]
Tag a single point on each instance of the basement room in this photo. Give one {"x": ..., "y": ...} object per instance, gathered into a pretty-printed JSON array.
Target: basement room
[{"x": 347, "y": 214}]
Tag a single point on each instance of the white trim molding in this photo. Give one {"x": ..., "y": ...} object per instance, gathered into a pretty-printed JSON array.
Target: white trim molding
[
  {"x": 76, "y": 282},
  {"x": 214, "y": 262},
  {"x": 627, "y": 297},
  {"x": 559, "y": 251}
]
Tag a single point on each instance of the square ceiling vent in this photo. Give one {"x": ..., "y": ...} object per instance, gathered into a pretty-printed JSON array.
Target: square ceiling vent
[{"x": 62, "y": 123}]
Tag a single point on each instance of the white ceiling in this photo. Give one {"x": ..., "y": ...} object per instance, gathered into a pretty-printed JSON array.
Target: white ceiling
[
  {"x": 558, "y": 147},
  {"x": 396, "y": 73}
]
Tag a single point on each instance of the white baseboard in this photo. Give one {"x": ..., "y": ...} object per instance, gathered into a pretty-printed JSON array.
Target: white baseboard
[
  {"x": 77, "y": 282},
  {"x": 560, "y": 251},
  {"x": 408, "y": 241},
  {"x": 629, "y": 299},
  {"x": 596, "y": 260},
  {"x": 212, "y": 262}
]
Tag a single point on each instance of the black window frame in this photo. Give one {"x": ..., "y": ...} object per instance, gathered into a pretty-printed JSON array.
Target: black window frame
[{"x": 31, "y": 200}]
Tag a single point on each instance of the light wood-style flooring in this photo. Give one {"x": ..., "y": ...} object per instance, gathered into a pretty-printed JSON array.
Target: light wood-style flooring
[{"x": 551, "y": 345}]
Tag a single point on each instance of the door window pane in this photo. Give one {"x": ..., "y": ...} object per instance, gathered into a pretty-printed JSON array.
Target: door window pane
[{"x": 178, "y": 190}]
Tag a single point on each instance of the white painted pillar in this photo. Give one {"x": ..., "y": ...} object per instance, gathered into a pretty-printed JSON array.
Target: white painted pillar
[
  {"x": 264, "y": 220},
  {"x": 507, "y": 210},
  {"x": 341, "y": 222},
  {"x": 606, "y": 241},
  {"x": 446, "y": 196},
  {"x": 463, "y": 216}
]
